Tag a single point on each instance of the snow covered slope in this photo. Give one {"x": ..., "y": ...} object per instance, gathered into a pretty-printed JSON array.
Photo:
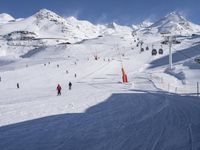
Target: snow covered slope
[
  {"x": 158, "y": 109},
  {"x": 99, "y": 112},
  {"x": 5, "y": 18},
  {"x": 174, "y": 24},
  {"x": 47, "y": 24},
  {"x": 114, "y": 28},
  {"x": 144, "y": 24}
]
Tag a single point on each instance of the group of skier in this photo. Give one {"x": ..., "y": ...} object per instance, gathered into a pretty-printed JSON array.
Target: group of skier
[{"x": 59, "y": 88}]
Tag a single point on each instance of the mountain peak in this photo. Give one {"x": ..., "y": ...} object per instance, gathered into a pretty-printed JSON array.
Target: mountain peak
[
  {"x": 175, "y": 16},
  {"x": 45, "y": 13},
  {"x": 174, "y": 13},
  {"x": 4, "y": 18},
  {"x": 71, "y": 18},
  {"x": 112, "y": 25},
  {"x": 174, "y": 23}
]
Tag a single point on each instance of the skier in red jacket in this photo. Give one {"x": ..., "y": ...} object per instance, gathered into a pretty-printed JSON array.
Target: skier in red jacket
[{"x": 59, "y": 89}]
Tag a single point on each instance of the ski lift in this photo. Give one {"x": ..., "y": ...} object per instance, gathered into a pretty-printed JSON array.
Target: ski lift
[
  {"x": 95, "y": 57},
  {"x": 154, "y": 52},
  {"x": 160, "y": 51}
]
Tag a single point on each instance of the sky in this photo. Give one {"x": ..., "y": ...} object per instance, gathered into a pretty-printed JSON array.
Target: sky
[{"x": 124, "y": 12}]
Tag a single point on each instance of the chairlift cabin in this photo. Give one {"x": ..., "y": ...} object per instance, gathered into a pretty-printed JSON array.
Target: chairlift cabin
[
  {"x": 160, "y": 51},
  {"x": 154, "y": 52}
]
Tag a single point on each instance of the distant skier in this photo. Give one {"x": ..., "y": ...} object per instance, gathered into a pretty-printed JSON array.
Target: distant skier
[
  {"x": 67, "y": 71},
  {"x": 70, "y": 85},
  {"x": 18, "y": 85},
  {"x": 0, "y": 79},
  {"x": 75, "y": 75},
  {"x": 58, "y": 66},
  {"x": 59, "y": 90}
]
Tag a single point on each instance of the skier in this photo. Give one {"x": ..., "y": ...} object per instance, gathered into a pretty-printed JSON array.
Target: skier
[
  {"x": 0, "y": 79},
  {"x": 58, "y": 66},
  {"x": 70, "y": 85},
  {"x": 59, "y": 89},
  {"x": 75, "y": 75},
  {"x": 18, "y": 85},
  {"x": 67, "y": 71}
]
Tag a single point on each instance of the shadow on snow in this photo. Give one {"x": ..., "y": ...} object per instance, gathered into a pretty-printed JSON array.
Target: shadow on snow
[
  {"x": 123, "y": 122},
  {"x": 177, "y": 57}
]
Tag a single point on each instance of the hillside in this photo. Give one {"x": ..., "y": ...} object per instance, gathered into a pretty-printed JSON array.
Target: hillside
[{"x": 157, "y": 109}]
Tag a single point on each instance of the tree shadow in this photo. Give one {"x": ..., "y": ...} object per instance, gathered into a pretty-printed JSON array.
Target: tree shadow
[
  {"x": 124, "y": 121},
  {"x": 177, "y": 57}
]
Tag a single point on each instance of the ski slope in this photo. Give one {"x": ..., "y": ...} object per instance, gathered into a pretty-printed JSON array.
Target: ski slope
[{"x": 156, "y": 110}]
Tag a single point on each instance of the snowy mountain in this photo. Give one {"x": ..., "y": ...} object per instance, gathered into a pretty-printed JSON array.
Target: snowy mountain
[
  {"x": 5, "y": 18},
  {"x": 114, "y": 28},
  {"x": 47, "y": 24},
  {"x": 46, "y": 28},
  {"x": 144, "y": 24},
  {"x": 174, "y": 24}
]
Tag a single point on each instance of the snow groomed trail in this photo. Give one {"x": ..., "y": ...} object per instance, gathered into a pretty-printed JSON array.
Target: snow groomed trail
[
  {"x": 99, "y": 112},
  {"x": 138, "y": 120}
]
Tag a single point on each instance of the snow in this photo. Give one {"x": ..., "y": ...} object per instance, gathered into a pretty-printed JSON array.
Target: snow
[
  {"x": 157, "y": 109},
  {"x": 174, "y": 24},
  {"x": 5, "y": 18},
  {"x": 144, "y": 24}
]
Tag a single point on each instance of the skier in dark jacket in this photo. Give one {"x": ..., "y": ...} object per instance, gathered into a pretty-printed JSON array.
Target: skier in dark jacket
[
  {"x": 59, "y": 89},
  {"x": 70, "y": 85},
  {"x": 18, "y": 85}
]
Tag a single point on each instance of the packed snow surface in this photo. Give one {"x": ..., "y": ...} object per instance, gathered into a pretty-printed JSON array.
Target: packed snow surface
[{"x": 157, "y": 109}]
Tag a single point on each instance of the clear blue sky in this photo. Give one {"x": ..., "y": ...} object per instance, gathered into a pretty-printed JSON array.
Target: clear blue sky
[{"x": 101, "y": 11}]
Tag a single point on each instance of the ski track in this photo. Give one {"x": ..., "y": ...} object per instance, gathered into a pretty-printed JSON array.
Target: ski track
[{"x": 99, "y": 112}]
